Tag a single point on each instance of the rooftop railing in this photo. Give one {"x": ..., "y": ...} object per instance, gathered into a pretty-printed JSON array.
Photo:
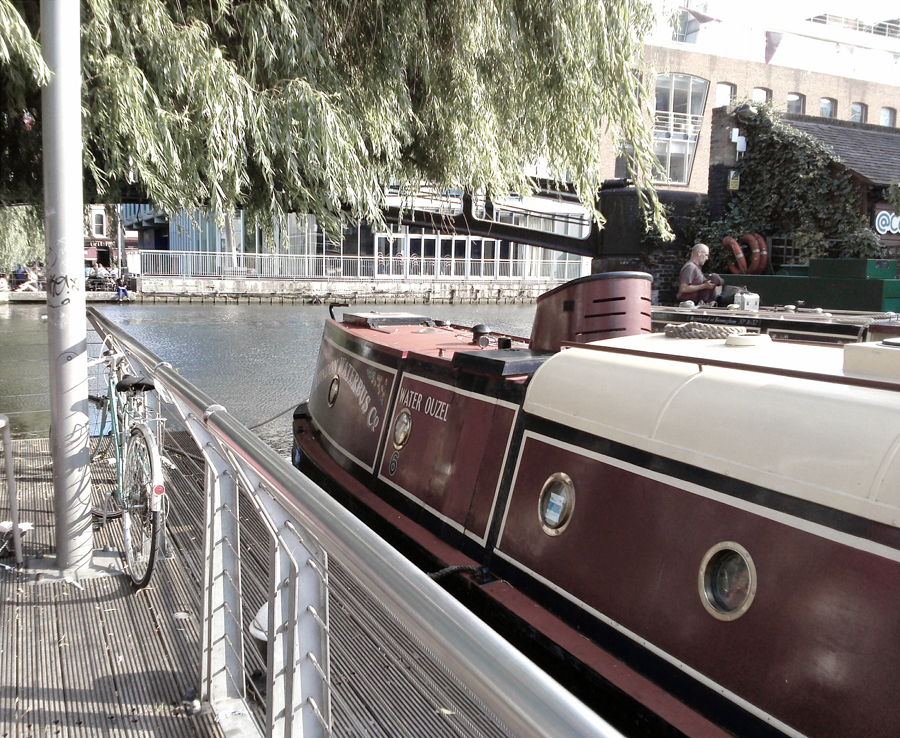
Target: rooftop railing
[{"x": 889, "y": 28}]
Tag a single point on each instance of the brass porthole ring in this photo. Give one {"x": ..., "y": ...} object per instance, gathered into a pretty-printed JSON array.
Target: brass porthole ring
[
  {"x": 402, "y": 428},
  {"x": 333, "y": 389},
  {"x": 556, "y": 503},
  {"x": 727, "y": 581}
]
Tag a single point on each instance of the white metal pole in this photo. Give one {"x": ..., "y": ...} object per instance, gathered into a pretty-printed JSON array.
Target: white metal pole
[
  {"x": 67, "y": 328},
  {"x": 120, "y": 239}
]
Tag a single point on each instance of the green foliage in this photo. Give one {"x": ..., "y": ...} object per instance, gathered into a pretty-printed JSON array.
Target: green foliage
[
  {"x": 893, "y": 196},
  {"x": 22, "y": 240},
  {"x": 792, "y": 183},
  {"x": 315, "y": 105}
]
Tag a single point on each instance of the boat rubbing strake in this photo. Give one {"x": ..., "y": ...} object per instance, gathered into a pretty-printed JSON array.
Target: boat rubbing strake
[{"x": 720, "y": 518}]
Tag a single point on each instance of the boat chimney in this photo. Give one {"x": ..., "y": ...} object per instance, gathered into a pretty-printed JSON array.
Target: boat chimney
[
  {"x": 478, "y": 332},
  {"x": 593, "y": 308}
]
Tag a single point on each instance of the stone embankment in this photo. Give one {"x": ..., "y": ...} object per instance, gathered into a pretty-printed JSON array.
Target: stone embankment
[
  {"x": 224, "y": 291},
  {"x": 153, "y": 289}
]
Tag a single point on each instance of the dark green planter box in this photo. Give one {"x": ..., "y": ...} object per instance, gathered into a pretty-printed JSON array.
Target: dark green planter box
[
  {"x": 795, "y": 270},
  {"x": 873, "y": 295},
  {"x": 853, "y": 268}
]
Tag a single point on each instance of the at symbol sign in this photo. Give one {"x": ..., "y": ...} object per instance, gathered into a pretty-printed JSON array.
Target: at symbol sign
[{"x": 887, "y": 222}]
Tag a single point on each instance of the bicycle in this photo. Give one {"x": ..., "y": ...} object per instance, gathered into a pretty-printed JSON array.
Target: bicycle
[{"x": 129, "y": 428}]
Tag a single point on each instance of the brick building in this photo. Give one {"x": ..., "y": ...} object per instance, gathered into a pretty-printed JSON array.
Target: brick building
[
  {"x": 720, "y": 52},
  {"x": 821, "y": 66}
]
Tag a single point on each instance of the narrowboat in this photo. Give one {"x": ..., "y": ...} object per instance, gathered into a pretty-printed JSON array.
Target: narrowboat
[
  {"x": 698, "y": 537},
  {"x": 789, "y": 322}
]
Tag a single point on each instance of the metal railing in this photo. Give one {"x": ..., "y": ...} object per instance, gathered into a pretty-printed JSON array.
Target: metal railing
[
  {"x": 889, "y": 28},
  {"x": 329, "y": 581},
  {"x": 221, "y": 265},
  {"x": 9, "y": 466},
  {"x": 677, "y": 125}
]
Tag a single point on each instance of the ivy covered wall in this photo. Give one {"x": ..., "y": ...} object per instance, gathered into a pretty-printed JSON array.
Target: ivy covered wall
[{"x": 791, "y": 184}]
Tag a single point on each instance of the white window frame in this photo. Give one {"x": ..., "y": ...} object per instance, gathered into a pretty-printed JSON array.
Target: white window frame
[
  {"x": 721, "y": 89},
  {"x": 801, "y": 99},
  {"x": 676, "y": 132},
  {"x": 98, "y": 219},
  {"x": 832, "y": 103}
]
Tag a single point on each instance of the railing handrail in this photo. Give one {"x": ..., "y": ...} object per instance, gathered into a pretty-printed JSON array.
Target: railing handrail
[
  {"x": 522, "y": 696},
  {"x": 10, "y": 468}
]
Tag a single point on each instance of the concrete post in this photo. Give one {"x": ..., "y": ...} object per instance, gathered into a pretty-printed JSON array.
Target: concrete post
[{"x": 67, "y": 328}]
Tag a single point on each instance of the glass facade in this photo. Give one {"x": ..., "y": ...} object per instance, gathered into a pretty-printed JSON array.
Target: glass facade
[{"x": 680, "y": 101}]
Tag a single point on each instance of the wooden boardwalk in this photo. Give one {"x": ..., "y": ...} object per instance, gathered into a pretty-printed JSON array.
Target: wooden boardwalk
[
  {"x": 99, "y": 658},
  {"x": 96, "y": 657}
]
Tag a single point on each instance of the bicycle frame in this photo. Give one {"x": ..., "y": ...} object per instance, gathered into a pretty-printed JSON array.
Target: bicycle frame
[{"x": 119, "y": 406}]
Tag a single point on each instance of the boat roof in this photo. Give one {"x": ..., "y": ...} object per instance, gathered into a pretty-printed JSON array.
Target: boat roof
[
  {"x": 821, "y": 423},
  {"x": 409, "y": 335}
]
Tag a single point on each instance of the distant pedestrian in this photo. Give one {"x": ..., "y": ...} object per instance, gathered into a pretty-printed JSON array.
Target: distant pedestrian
[{"x": 122, "y": 288}]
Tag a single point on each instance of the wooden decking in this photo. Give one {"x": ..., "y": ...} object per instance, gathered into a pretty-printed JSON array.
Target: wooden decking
[
  {"x": 96, "y": 657},
  {"x": 99, "y": 658}
]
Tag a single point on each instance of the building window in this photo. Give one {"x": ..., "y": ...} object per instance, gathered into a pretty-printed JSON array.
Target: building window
[
  {"x": 725, "y": 94},
  {"x": 100, "y": 224},
  {"x": 828, "y": 107},
  {"x": 680, "y": 101},
  {"x": 888, "y": 117},
  {"x": 624, "y": 162},
  {"x": 761, "y": 95},
  {"x": 859, "y": 112},
  {"x": 687, "y": 25},
  {"x": 796, "y": 103}
]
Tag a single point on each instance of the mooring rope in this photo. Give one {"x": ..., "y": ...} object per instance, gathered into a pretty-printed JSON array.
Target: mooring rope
[
  {"x": 265, "y": 422},
  {"x": 702, "y": 330}
]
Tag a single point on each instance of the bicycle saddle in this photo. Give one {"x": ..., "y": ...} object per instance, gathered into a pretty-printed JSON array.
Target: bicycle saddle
[{"x": 134, "y": 384}]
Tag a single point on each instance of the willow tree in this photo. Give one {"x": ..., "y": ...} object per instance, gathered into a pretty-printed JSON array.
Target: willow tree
[{"x": 315, "y": 105}]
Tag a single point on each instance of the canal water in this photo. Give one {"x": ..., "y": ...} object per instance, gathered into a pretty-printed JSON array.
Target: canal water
[{"x": 256, "y": 360}]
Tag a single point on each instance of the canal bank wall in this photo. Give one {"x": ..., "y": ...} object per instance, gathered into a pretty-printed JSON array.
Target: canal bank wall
[
  {"x": 154, "y": 289},
  {"x": 253, "y": 291}
]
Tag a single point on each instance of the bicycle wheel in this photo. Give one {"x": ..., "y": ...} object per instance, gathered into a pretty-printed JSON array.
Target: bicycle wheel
[{"x": 140, "y": 522}]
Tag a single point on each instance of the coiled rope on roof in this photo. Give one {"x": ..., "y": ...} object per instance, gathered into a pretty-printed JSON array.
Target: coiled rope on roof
[{"x": 702, "y": 330}]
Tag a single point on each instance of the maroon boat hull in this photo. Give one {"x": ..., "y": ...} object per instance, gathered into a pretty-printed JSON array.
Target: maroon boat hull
[{"x": 816, "y": 653}]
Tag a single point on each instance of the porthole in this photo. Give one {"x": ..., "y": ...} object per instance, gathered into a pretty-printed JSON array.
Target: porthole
[
  {"x": 727, "y": 581},
  {"x": 402, "y": 428},
  {"x": 556, "y": 503},
  {"x": 333, "y": 391}
]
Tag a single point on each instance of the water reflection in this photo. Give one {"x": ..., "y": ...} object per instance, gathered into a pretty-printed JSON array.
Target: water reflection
[
  {"x": 256, "y": 360},
  {"x": 24, "y": 374}
]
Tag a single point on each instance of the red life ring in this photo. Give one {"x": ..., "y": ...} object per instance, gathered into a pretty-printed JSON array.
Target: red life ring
[
  {"x": 738, "y": 252},
  {"x": 750, "y": 240},
  {"x": 763, "y": 253}
]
